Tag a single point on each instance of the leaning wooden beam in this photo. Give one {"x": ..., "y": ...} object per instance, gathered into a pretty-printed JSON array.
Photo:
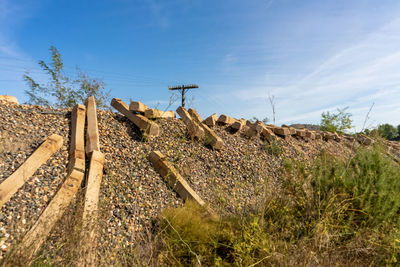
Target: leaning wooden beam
[
  {"x": 173, "y": 178},
  {"x": 195, "y": 130},
  {"x": 211, "y": 137},
  {"x": 11, "y": 185},
  {"x": 36, "y": 236},
  {"x": 92, "y": 134},
  {"x": 33, "y": 240},
  {"x": 148, "y": 127},
  {"x": 89, "y": 234},
  {"x": 159, "y": 114}
]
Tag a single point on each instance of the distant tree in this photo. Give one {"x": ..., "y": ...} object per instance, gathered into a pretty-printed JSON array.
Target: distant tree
[
  {"x": 388, "y": 131},
  {"x": 398, "y": 129},
  {"x": 265, "y": 120},
  {"x": 336, "y": 122},
  {"x": 62, "y": 91}
]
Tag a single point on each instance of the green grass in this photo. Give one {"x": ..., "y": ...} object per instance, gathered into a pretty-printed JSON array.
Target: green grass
[{"x": 331, "y": 212}]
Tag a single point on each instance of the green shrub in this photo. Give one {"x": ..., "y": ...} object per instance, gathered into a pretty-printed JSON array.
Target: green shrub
[
  {"x": 333, "y": 211},
  {"x": 274, "y": 147}
]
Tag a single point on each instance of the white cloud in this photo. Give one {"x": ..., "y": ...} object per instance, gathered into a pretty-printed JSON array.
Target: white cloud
[{"x": 357, "y": 76}]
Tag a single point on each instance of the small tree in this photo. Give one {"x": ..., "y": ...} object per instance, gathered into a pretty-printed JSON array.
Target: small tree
[
  {"x": 387, "y": 131},
  {"x": 61, "y": 91},
  {"x": 336, "y": 122}
]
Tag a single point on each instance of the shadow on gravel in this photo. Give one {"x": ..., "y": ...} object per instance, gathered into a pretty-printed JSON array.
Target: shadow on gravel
[{"x": 133, "y": 131}]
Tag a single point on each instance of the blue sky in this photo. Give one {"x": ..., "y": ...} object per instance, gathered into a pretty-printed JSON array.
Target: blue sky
[{"x": 313, "y": 56}]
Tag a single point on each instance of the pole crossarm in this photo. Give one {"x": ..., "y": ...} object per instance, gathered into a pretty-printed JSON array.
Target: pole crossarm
[{"x": 183, "y": 88}]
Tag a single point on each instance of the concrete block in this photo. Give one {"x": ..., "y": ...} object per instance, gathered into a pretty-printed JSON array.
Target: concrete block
[
  {"x": 9, "y": 98},
  {"x": 138, "y": 107},
  {"x": 159, "y": 114},
  {"x": 211, "y": 120},
  {"x": 211, "y": 138},
  {"x": 173, "y": 178},
  {"x": 148, "y": 127},
  {"x": 195, "y": 130},
  {"x": 14, "y": 182}
]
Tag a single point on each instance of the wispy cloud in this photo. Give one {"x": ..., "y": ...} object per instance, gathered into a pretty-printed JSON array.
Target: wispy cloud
[{"x": 356, "y": 76}]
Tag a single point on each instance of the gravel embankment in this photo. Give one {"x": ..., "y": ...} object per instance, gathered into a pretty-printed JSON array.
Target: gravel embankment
[{"x": 132, "y": 192}]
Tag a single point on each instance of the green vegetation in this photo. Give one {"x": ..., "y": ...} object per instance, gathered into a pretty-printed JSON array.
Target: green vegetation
[
  {"x": 62, "y": 91},
  {"x": 336, "y": 122},
  {"x": 332, "y": 212},
  {"x": 274, "y": 147},
  {"x": 388, "y": 131}
]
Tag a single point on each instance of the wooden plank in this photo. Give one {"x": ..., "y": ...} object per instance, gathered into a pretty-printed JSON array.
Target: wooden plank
[
  {"x": 211, "y": 120},
  {"x": 9, "y": 98},
  {"x": 138, "y": 107},
  {"x": 225, "y": 120},
  {"x": 77, "y": 143},
  {"x": 36, "y": 236},
  {"x": 211, "y": 137},
  {"x": 92, "y": 131},
  {"x": 11, "y": 185},
  {"x": 148, "y": 127},
  {"x": 195, "y": 130},
  {"x": 159, "y": 114},
  {"x": 89, "y": 234},
  {"x": 173, "y": 178},
  {"x": 238, "y": 124}
]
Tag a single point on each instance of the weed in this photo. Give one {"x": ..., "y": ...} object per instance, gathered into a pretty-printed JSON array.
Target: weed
[{"x": 274, "y": 147}]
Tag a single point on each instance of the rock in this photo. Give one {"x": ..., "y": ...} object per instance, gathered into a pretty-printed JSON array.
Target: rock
[{"x": 9, "y": 98}]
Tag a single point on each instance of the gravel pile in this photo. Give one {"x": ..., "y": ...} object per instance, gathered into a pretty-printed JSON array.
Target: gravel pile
[{"x": 132, "y": 192}]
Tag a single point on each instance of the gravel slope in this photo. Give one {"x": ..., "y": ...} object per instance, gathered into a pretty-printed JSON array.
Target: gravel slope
[{"x": 132, "y": 192}]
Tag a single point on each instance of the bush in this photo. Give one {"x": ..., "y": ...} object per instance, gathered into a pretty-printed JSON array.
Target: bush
[
  {"x": 331, "y": 212},
  {"x": 388, "y": 131},
  {"x": 336, "y": 122},
  {"x": 62, "y": 91}
]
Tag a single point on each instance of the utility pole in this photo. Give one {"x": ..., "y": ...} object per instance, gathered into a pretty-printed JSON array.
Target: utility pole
[{"x": 183, "y": 89}]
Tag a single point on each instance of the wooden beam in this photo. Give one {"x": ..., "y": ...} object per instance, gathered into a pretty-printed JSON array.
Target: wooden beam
[
  {"x": 35, "y": 237},
  {"x": 211, "y": 120},
  {"x": 89, "y": 234},
  {"x": 148, "y": 127},
  {"x": 173, "y": 178},
  {"x": 159, "y": 114},
  {"x": 195, "y": 130},
  {"x": 138, "y": 107},
  {"x": 212, "y": 138},
  {"x": 92, "y": 131},
  {"x": 11, "y": 185}
]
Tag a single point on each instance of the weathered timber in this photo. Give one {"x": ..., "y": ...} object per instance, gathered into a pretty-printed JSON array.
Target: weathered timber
[
  {"x": 159, "y": 114},
  {"x": 9, "y": 98},
  {"x": 148, "y": 127},
  {"x": 77, "y": 143},
  {"x": 92, "y": 131},
  {"x": 173, "y": 178},
  {"x": 310, "y": 135},
  {"x": 364, "y": 140},
  {"x": 301, "y": 133},
  {"x": 238, "y": 124},
  {"x": 90, "y": 227},
  {"x": 211, "y": 120},
  {"x": 212, "y": 138},
  {"x": 11, "y": 185},
  {"x": 138, "y": 107},
  {"x": 195, "y": 130},
  {"x": 268, "y": 134},
  {"x": 225, "y": 120},
  {"x": 33, "y": 240},
  {"x": 281, "y": 131},
  {"x": 36, "y": 236},
  {"x": 253, "y": 130}
]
